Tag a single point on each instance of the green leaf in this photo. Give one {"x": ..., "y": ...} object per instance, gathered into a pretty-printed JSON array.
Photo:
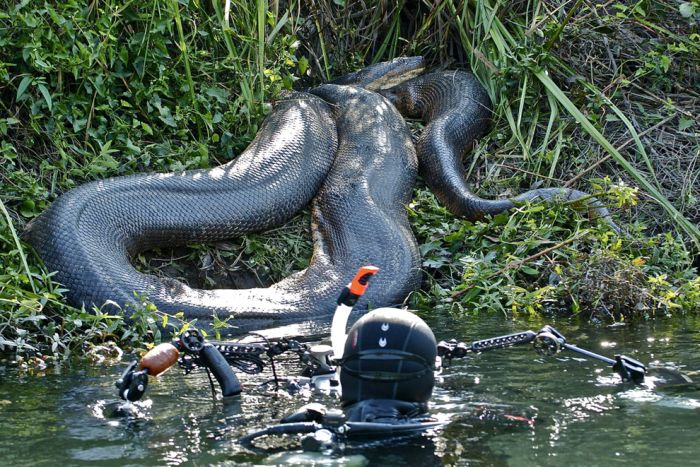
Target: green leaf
[
  {"x": 147, "y": 128},
  {"x": 467, "y": 297},
  {"x": 139, "y": 65},
  {"x": 303, "y": 65},
  {"x": 220, "y": 94},
  {"x": 23, "y": 85},
  {"x": 685, "y": 123},
  {"x": 47, "y": 95},
  {"x": 168, "y": 120},
  {"x": 687, "y": 9},
  {"x": 28, "y": 208},
  {"x": 434, "y": 263},
  {"x": 131, "y": 146}
]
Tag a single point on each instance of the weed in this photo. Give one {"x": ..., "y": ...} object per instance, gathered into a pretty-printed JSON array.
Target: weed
[{"x": 583, "y": 94}]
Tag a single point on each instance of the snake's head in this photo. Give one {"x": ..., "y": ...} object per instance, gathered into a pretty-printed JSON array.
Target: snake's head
[{"x": 384, "y": 75}]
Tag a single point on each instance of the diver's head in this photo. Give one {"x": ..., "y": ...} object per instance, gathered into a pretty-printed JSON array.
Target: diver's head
[{"x": 389, "y": 354}]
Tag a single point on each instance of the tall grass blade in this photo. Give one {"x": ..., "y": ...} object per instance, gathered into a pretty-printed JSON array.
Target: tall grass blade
[
  {"x": 326, "y": 65},
  {"x": 183, "y": 51},
  {"x": 633, "y": 131},
  {"x": 278, "y": 27},
  {"x": 690, "y": 228},
  {"x": 18, "y": 244},
  {"x": 262, "y": 13},
  {"x": 225, "y": 28}
]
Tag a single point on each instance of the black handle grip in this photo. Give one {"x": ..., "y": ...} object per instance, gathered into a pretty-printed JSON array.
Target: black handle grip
[
  {"x": 212, "y": 358},
  {"x": 132, "y": 384}
]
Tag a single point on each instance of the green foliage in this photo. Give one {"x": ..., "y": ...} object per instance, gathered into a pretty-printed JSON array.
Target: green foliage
[
  {"x": 90, "y": 90},
  {"x": 94, "y": 90},
  {"x": 549, "y": 259},
  {"x": 690, "y": 11},
  {"x": 101, "y": 88}
]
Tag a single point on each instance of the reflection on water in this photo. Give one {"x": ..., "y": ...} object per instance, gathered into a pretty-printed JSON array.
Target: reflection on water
[{"x": 508, "y": 407}]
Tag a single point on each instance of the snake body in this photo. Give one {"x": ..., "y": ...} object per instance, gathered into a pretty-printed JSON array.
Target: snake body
[
  {"x": 457, "y": 111},
  {"x": 341, "y": 144},
  {"x": 89, "y": 234},
  {"x": 305, "y": 147}
]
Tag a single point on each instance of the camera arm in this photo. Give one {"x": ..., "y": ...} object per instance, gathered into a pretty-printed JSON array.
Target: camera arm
[{"x": 548, "y": 342}]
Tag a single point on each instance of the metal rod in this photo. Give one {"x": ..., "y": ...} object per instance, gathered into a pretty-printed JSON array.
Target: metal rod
[{"x": 588, "y": 353}]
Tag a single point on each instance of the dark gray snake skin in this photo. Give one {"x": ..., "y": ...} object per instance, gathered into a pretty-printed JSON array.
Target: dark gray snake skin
[
  {"x": 344, "y": 146},
  {"x": 89, "y": 234},
  {"x": 457, "y": 111}
]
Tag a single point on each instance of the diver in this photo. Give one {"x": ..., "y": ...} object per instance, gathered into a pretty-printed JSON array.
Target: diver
[
  {"x": 386, "y": 368},
  {"x": 386, "y": 374}
]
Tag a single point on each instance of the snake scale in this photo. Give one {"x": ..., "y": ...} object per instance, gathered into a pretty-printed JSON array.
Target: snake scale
[{"x": 343, "y": 147}]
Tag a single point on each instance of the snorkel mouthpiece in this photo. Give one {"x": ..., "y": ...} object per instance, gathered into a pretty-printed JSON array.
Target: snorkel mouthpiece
[{"x": 347, "y": 299}]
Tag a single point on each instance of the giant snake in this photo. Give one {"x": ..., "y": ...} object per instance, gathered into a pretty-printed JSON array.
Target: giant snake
[{"x": 342, "y": 146}]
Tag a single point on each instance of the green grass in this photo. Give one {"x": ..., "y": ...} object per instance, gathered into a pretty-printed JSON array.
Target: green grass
[{"x": 596, "y": 97}]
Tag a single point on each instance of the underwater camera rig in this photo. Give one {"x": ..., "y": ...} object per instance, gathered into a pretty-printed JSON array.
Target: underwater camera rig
[
  {"x": 190, "y": 351},
  {"x": 325, "y": 367},
  {"x": 320, "y": 362}
]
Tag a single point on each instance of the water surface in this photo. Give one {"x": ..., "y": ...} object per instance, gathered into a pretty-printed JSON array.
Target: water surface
[{"x": 583, "y": 414}]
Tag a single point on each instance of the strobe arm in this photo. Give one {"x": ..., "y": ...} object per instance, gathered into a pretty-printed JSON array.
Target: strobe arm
[
  {"x": 453, "y": 349},
  {"x": 548, "y": 342},
  {"x": 132, "y": 384}
]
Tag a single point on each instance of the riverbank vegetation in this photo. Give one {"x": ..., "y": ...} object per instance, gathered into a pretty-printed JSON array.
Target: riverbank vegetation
[{"x": 602, "y": 97}]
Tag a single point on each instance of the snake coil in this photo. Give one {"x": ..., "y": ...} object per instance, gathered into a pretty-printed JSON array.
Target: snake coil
[{"x": 342, "y": 145}]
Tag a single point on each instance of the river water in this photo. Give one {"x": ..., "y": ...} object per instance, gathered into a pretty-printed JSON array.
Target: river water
[{"x": 581, "y": 413}]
